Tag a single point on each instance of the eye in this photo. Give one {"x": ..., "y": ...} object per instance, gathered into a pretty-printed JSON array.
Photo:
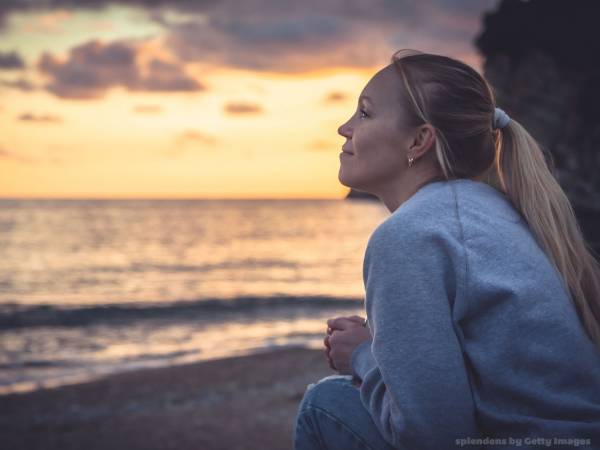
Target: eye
[{"x": 362, "y": 111}]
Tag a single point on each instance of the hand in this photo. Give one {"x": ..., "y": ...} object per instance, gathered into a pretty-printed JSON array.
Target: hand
[
  {"x": 330, "y": 330},
  {"x": 343, "y": 336}
]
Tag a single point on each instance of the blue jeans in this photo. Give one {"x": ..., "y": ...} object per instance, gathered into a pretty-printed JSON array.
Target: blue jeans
[{"x": 331, "y": 416}]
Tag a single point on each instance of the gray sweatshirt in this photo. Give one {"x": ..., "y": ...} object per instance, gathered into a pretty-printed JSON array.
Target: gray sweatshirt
[{"x": 475, "y": 340}]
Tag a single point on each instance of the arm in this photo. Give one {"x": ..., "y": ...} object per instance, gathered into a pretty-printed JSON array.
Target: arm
[{"x": 414, "y": 381}]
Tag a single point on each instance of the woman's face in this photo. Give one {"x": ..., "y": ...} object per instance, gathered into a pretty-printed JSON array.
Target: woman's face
[{"x": 375, "y": 153}]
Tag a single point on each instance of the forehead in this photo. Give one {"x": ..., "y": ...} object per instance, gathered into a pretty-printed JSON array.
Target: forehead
[{"x": 383, "y": 88}]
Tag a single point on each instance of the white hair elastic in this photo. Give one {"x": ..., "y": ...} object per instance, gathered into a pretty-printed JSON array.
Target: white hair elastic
[{"x": 501, "y": 119}]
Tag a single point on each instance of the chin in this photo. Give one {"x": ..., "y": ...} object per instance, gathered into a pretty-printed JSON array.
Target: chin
[{"x": 353, "y": 183}]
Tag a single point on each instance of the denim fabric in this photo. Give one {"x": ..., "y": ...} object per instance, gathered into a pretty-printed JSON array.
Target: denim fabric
[{"x": 331, "y": 416}]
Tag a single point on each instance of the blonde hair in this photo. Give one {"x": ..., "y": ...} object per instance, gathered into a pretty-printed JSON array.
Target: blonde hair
[{"x": 459, "y": 103}]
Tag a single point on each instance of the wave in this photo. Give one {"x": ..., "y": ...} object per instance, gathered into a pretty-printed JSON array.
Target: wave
[
  {"x": 35, "y": 364},
  {"x": 42, "y": 363},
  {"x": 248, "y": 263},
  {"x": 14, "y": 315}
]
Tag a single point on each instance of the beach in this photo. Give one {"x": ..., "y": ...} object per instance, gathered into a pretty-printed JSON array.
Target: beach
[{"x": 244, "y": 402}]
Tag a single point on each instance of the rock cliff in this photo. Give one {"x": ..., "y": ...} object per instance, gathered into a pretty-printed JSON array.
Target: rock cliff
[{"x": 541, "y": 58}]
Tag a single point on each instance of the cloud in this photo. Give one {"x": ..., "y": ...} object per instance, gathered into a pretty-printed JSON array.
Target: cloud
[
  {"x": 336, "y": 97},
  {"x": 190, "y": 139},
  {"x": 195, "y": 137},
  {"x": 166, "y": 76},
  {"x": 41, "y": 118},
  {"x": 49, "y": 23},
  {"x": 280, "y": 44},
  {"x": 147, "y": 109},
  {"x": 94, "y": 67},
  {"x": 294, "y": 37},
  {"x": 20, "y": 84},
  {"x": 8, "y": 7},
  {"x": 291, "y": 37},
  {"x": 242, "y": 108},
  {"x": 11, "y": 61}
]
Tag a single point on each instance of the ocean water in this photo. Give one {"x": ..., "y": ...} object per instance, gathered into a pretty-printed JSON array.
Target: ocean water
[{"x": 92, "y": 287}]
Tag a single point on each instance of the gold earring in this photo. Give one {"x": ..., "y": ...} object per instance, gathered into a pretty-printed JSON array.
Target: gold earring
[{"x": 410, "y": 161}]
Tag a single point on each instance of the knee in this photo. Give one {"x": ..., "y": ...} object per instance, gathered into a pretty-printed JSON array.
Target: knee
[
  {"x": 329, "y": 415},
  {"x": 326, "y": 393}
]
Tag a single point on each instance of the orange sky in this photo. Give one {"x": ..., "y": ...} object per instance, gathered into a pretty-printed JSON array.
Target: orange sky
[{"x": 131, "y": 102}]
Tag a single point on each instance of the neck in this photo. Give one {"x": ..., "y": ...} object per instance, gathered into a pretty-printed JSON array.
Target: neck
[{"x": 405, "y": 187}]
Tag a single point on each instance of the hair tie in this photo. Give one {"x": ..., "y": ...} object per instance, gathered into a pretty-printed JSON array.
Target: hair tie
[{"x": 501, "y": 119}]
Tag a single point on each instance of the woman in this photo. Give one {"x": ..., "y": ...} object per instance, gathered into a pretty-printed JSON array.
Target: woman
[{"x": 481, "y": 296}]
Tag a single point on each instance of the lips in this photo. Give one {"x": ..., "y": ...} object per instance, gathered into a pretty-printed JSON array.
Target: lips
[{"x": 346, "y": 151}]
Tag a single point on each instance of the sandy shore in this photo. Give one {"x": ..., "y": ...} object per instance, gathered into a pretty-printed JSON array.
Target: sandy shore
[{"x": 246, "y": 402}]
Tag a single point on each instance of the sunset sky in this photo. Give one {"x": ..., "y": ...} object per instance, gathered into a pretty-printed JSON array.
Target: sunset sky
[{"x": 198, "y": 99}]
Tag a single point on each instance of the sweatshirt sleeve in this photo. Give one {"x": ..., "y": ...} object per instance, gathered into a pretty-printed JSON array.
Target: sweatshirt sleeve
[{"x": 414, "y": 380}]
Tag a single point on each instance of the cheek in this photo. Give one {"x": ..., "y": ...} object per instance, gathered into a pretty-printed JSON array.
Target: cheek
[{"x": 379, "y": 147}]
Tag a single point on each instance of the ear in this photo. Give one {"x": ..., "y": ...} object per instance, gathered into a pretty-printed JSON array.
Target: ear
[{"x": 424, "y": 140}]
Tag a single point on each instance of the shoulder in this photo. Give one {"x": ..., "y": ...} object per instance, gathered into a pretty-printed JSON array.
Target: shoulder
[
  {"x": 485, "y": 201},
  {"x": 430, "y": 212},
  {"x": 448, "y": 210}
]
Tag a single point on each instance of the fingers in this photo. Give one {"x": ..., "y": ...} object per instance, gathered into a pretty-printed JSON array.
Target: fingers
[
  {"x": 343, "y": 323},
  {"x": 329, "y": 360},
  {"x": 356, "y": 319},
  {"x": 337, "y": 323},
  {"x": 327, "y": 355}
]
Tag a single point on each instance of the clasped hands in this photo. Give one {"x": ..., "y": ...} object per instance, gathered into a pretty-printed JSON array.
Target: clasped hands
[{"x": 344, "y": 334}]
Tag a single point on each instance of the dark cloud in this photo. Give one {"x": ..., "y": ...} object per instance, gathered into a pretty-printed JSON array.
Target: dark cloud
[
  {"x": 93, "y": 67},
  {"x": 165, "y": 76},
  {"x": 147, "y": 109},
  {"x": 284, "y": 44},
  {"x": 90, "y": 69},
  {"x": 11, "y": 6},
  {"x": 11, "y": 61},
  {"x": 242, "y": 108},
  {"x": 291, "y": 37},
  {"x": 20, "y": 84},
  {"x": 42, "y": 118}
]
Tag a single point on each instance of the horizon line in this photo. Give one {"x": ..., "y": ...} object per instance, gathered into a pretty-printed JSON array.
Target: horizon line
[{"x": 169, "y": 198}]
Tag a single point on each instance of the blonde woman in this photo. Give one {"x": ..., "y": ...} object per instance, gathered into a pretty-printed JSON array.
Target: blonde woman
[{"x": 483, "y": 316}]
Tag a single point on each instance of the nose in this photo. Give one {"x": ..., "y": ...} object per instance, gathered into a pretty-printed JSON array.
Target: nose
[{"x": 345, "y": 130}]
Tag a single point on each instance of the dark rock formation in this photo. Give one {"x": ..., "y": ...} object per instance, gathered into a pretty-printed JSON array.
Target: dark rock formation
[{"x": 541, "y": 58}]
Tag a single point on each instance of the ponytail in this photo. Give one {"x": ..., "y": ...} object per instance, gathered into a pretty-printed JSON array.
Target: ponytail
[{"x": 525, "y": 177}]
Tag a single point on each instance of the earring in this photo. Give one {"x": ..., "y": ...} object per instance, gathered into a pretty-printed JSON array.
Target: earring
[{"x": 410, "y": 161}]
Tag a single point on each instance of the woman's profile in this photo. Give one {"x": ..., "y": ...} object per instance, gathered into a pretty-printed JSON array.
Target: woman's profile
[{"x": 481, "y": 295}]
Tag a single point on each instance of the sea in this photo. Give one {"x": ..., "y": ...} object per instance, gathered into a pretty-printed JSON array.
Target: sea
[{"x": 94, "y": 287}]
